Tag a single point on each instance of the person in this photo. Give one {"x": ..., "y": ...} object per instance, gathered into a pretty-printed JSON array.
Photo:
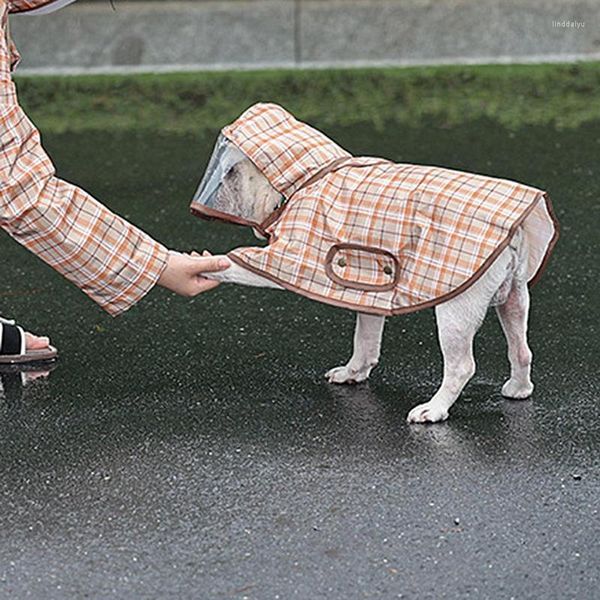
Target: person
[{"x": 108, "y": 258}]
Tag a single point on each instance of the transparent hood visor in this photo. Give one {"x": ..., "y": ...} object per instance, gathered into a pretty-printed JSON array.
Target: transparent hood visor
[
  {"x": 224, "y": 157},
  {"x": 234, "y": 192}
]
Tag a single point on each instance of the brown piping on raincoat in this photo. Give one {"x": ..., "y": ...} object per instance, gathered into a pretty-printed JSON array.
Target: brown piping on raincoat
[
  {"x": 210, "y": 214},
  {"x": 551, "y": 245}
]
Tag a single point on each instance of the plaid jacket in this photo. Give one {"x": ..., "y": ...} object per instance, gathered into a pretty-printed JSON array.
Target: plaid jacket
[
  {"x": 112, "y": 261},
  {"x": 376, "y": 236}
]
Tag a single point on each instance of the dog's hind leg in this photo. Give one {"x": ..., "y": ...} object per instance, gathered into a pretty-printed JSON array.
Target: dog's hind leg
[
  {"x": 513, "y": 315},
  {"x": 367, "y": 347},
  {"x": 458, "y": 321},
  {"x": 456, "y": 332}
]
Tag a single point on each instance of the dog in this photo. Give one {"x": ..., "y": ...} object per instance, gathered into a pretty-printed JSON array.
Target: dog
[{"x": 247, "y": 192}]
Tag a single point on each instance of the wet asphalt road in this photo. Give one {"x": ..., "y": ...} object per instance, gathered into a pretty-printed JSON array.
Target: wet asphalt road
[{"x": 193, "y": 450}]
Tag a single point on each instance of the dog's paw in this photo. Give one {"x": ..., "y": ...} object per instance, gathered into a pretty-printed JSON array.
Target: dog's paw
[
  {"x": 215, "y": 276},
  {"x": 346, "y": 374},
  {"x": 517, "y": 390},
  {"x": 226, "y": 276},
  {"x": 427, "y": 413}
]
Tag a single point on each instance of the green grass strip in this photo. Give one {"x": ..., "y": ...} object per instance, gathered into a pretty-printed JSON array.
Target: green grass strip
[{"x": 560, "y": 95}]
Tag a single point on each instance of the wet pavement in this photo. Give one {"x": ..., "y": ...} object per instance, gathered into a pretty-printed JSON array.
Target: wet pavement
[{"x": 192, "y": 449}]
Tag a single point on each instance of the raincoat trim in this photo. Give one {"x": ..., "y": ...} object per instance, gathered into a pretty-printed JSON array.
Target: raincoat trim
[
  {"x": 434, "y": 301},
  {"x": 209, "y": 214},
  {"x": 35, "y": 7},
  {"x": 552, "y": 242}
]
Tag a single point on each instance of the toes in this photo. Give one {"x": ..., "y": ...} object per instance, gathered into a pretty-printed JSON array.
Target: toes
[
  {"x": 331, "y": 373},
  {"x": 517, "y": 391},
  {"x": 344, "y": 375},
  {"x": 338, "y": 375},
  {"x": 34, "y": 342},
  {"x": 426, "y": 413}
]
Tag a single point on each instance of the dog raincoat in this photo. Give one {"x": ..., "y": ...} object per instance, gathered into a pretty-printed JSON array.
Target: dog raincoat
[{"x": 366, "y": 233}]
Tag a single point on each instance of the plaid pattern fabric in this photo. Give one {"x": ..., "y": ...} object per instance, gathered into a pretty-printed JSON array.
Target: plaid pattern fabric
[
  {"x": 288, "y": 153},
  {"x": 112, "y": 261},
  {"x": 373, "y": 235},
  {"x": 17, "y": 6}
]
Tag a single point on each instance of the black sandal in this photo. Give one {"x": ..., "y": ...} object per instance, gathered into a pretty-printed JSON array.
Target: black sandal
[{"x": 12, "y": 347}]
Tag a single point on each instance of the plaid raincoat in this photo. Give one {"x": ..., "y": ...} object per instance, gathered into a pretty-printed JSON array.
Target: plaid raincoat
[
  {"x": 372, "y": 235},
  {"x": 112, "y": 261}
]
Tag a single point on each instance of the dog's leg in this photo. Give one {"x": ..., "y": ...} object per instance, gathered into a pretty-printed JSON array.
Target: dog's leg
[
  {"x": 456, "y": 330},
  {"x": 458, "y": 321},
  {"x": 367, "y": 346},
  {"x": 513, "y": 316},
  {"x": 237, "y": 274}
]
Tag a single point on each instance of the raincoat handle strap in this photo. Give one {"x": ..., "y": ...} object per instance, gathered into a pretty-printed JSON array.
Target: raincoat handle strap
[{"x": 364, "y": 268}]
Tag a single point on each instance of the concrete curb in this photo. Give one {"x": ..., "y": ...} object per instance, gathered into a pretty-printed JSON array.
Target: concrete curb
[{"x": 253, "y": 34}]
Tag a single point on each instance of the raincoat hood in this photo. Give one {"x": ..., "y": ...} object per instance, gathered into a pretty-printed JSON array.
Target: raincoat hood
[
  {"x": 288, "y": 152},
  {"x": 373, "y": 235},
  {"x": 37, "y": 7}
]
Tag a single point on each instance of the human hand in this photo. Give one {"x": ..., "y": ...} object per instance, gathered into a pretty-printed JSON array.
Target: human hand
[{"x": 183, "y": 274}]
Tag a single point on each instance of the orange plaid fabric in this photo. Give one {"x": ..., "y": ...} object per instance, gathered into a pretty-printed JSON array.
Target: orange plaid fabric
[
  {"x": 377, "y": 236},
  {"x": 19, "y": 6},
  {"x": 112, "y": 261}
]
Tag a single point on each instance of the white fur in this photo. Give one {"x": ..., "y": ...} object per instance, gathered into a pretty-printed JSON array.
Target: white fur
[
  {"x": 241, "y": 276},
  {"x": 367, "y": 347},
  {"x": 503, "y": 285}
]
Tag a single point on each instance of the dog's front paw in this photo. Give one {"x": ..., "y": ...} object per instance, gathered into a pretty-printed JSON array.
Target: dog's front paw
[
  {"x": 347, "y": 374},
  {"x": 222, "y": 276},
  {"x": 427, "y": 413},
  {"x": 517, "y": 390}
]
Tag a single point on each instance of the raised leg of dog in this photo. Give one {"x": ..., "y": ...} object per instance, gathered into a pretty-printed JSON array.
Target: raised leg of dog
[
  {"x": 367, "y": 347},
  {"x": 513, "y": 315},
  {"x": 241, "y": 276}
]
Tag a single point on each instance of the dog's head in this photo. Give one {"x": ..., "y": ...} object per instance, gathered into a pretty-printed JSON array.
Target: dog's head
[{"x": 247, "y": 193}]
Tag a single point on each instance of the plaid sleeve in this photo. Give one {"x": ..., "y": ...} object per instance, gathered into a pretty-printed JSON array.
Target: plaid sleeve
[{"x": 112, "y": 261}]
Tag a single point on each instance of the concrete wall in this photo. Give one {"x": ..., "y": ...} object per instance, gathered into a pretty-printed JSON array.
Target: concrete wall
[{"x": 150, "y": 36}]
